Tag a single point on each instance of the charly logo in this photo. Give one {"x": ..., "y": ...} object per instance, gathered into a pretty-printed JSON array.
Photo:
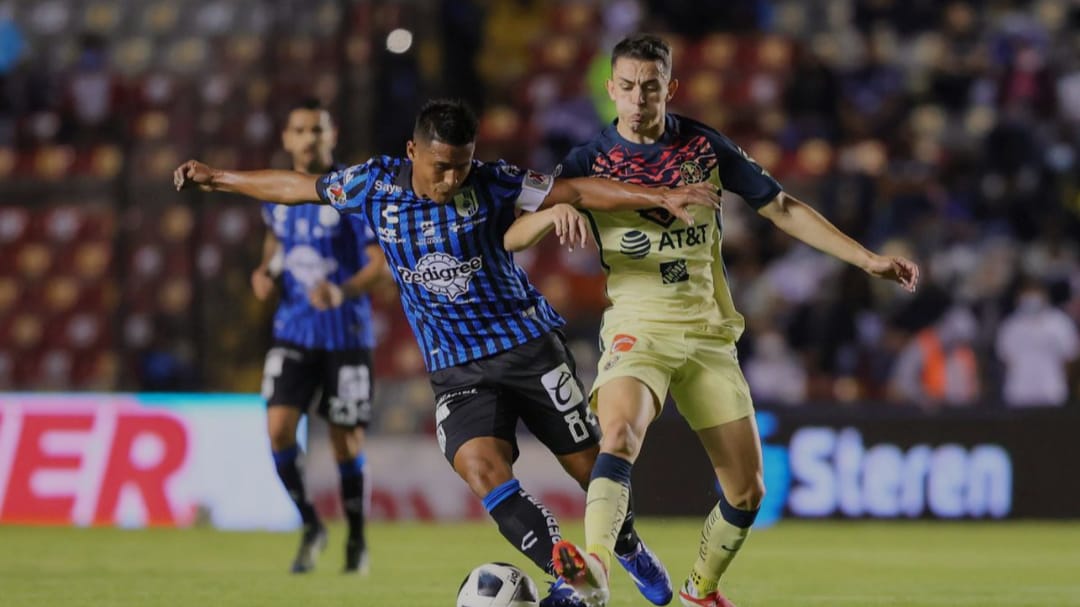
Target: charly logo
[
  {"x": 635, "y": 244},
  {"x": 692, "y": 172},
  {"x": 442, "y": 274},
  {"x": 562, "y": 388}
]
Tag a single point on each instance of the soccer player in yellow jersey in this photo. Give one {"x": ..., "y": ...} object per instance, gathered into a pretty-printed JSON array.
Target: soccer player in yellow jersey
[{"x": 672, "y": 325}]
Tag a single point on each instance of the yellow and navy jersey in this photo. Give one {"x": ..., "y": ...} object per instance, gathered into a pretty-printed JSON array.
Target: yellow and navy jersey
[
  {"x": 464, "y": 296},
  {"x": 659, "y": 269}
]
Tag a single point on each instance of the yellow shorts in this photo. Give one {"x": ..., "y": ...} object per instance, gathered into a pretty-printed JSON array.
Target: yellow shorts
[{"x": 699, "y": 367}]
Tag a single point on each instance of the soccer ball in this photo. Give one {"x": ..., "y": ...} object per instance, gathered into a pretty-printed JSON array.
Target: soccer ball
[{"x": 497, "y": 585}]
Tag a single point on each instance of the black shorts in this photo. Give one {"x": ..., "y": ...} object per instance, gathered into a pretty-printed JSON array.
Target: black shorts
[
  {"x": 535, "y": 382},
  {"x": 340, "y": 381}
]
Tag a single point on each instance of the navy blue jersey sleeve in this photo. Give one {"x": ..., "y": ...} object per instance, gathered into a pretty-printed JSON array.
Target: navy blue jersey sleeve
[
  {"x": 524, "y": 189},
  {"x": 578, "y": 163},
  {"x": 740, "y": 174},
  {"x": 346, "y": 189}
]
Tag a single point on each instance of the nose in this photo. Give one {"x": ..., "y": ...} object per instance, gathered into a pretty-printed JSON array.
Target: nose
[{"x": 639, "y": 96}]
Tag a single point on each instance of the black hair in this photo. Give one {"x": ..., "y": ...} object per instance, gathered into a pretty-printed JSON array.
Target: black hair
[
  {"x": 644, "y": 47},
  {"x": 447, "y": 120},
  {"x": 307, "y": 103}
]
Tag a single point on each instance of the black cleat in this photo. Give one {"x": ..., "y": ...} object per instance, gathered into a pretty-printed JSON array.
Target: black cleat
[
  {"x": 312, "y": 543},
  {"x": 356, "y": 558}
]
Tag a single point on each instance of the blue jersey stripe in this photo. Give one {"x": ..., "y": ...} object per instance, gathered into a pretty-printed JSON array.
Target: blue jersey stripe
[
  {"x": 318, "y": 244},
  {"x": 464, "y": 297}
]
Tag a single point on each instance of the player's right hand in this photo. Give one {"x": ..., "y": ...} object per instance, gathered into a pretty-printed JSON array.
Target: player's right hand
[
  {"x": 262, "y": 283},
  {"x": 702, "y": 194},
  {"x": 570, "y": 226},
  {"x": 193, "y": 174}
]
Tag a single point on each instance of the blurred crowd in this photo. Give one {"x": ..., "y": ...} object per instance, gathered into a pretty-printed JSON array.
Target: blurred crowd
[{"x": 945, "y": 131}]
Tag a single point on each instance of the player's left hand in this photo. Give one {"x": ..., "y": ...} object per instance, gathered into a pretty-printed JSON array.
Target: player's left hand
[
  {"x": 326, "y": 296},
  {"x": 570, "y": 226},
  {"x": 895, "y": 268},
  {"x": 703, "y": 194}
]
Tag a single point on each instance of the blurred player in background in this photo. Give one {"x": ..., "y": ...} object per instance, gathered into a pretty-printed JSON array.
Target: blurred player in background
[
  {"x": 490, "y": 341},
  {"x": 671, "y": 324},
  {"x": 327, "y": 263}
]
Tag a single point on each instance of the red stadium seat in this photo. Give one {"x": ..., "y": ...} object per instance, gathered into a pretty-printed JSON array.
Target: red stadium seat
[
  {"x": 33, "y": 260},
  {"x": 60, "y": 294},
  {"x": 92, "y": 260},
  {"x": 9, "y": 295}
]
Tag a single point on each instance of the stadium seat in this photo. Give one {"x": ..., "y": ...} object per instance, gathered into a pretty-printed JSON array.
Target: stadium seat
[
  {"x": 187, "y": 55},
  {"x": 160, "y": 18},
  {"x": 60, "y": 294},
  {"x": 24, "y": 330},
  {"x": 14, "y": 224},
  {"x": 92, "y": 260},
  {"x": 33, "y": 260},
  {"x": 9, "y": 160},
  {"x": 101, "y": 18},
  {"x": 176, "y": 223},
  {"x": 9, "y": 295},
  {"x": 132, "y": 56},
  {"x": 106, "y": 161},
  {"x": 717, "y": 51},
  {"x": 53, "y": 162}
]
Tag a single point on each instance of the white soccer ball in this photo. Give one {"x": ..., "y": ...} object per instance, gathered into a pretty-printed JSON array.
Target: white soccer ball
[{"x": 497, "y": 585}]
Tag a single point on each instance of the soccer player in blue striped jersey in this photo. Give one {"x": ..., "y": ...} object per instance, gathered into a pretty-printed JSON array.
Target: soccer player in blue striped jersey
[
  {"x": 326, "y": 263},
  {"x": 491, "y": 342}
]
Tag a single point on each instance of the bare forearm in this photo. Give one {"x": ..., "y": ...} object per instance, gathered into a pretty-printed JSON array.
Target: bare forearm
[
  {"x": 528, "y": 230},
  {"x": 804, "y": 223},
  {"x": 600, "y": 194},
  {"x": 285, "y": 187},
  {"x": 269, "y": 249},
  {"x": 370, "y": 277}
]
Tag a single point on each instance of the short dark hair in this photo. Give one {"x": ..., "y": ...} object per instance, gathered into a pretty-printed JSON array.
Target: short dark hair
[
  {"x": 447, "y": 120},
  {"x": 644, "y": 47},
  {"x": 307, "y": 103}
]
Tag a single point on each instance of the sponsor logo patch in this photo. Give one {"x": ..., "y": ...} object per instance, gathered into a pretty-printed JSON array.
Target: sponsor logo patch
[
  {"x": 635, "y": 244},
  {"x": 562, "y": 388},
  {"x": 674, "y": 271},
  {"x": 623, "y": 343},
  {"x": 442, "y": 274}
]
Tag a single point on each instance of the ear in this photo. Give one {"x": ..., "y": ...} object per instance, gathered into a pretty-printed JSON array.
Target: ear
[
  {"x": 671, "y": 88},
  {"x": 410, "y": 150},
  {"x": 610, "y": 86}
]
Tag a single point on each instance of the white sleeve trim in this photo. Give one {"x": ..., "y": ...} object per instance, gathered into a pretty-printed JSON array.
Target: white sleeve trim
[{"x": 534, "y": 189}]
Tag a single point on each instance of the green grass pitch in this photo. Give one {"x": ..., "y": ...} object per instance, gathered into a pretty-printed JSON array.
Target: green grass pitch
[{"x": 794, "y": 564}]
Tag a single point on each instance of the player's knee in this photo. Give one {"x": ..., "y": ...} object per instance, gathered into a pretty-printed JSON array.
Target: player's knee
[
  {"x": 483, "y": 472},
  {"x": 621, "y": 439},
  {"x": 282, "y": 437},
  {"x": 749, "y": 496}
]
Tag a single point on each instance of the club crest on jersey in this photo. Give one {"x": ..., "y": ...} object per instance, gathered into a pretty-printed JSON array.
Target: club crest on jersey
[
  {"x": 692, "y": 172},
  {"x": 442, "y": 274},
  {"x": 466, "y": 203},
  {"x": 635, "y": 244},
  {"x": 658, "y": 215},
  {"x": 336, "y": 193}
]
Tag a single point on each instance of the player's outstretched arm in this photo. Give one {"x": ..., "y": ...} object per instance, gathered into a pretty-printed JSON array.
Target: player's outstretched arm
[
  {"x": 285, "y": 187},
  {"x": 599, "y": 194},
  {"x": 570, "y": 226},
  {"x": 801, "y": 221}
]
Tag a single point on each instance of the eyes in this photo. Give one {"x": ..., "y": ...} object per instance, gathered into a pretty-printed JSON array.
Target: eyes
[{"x": 648, "y": 87}]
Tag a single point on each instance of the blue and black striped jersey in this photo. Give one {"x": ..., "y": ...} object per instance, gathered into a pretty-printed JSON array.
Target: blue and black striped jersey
[
  {"x": 317, "y": 244},
  {"x": 463, "y": 294}
]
